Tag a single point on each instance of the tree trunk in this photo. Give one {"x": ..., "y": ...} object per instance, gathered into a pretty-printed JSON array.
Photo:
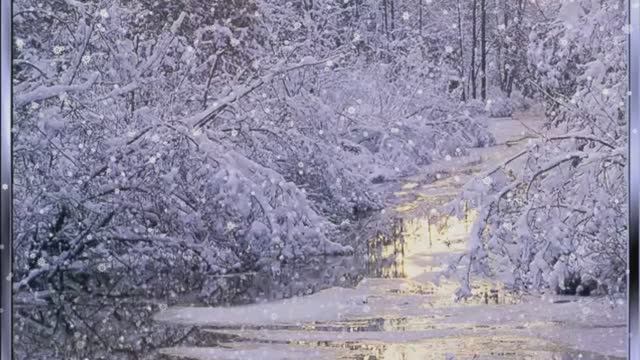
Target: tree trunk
[
  {"x": 386, "y": 22},
  {"x": 393, "y": 17},
  {"x": 474, "y": 41},
  {"x": 461, "y": 42},
  {"x": 483, "y": 49},
  {"x": 420, "y": 17}
]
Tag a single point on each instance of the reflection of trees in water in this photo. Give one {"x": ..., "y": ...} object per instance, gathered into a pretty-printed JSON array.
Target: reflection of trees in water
[
  {"x": 91, "y": 328},
  {"x": 103, "y": 319},
  {"x": 386, "y": 252}
]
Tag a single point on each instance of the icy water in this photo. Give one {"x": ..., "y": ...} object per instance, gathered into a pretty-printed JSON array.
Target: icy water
[{"x": 388, "y": 301}]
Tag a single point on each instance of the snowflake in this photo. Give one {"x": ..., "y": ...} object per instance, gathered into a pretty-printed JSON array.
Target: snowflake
[
  {"x": 103, "y": 13},
  {"x": 405, "y": 16},
  {"x": 86, "y": 59},
  {"x": 231, "y": 226},
  {"x": 5, "y": 187},
  {"x": 351, "y": 110},
  {"x": 42, "y": 262},
  {"x": 448, "y": 49},
  {"x": 58, "y": 49}
]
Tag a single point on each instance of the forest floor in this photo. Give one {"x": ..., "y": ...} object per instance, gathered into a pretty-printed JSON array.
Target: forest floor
[{"x": 402, "y": 309}]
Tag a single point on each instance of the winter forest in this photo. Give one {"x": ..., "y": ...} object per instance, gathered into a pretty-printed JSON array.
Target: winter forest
[{"x": 319, "y": 179}]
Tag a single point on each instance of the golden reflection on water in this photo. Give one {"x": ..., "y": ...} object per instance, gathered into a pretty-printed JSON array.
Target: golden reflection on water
[
  {"x": 466, "y": 348},
  {"x": 421, "y": 248}
]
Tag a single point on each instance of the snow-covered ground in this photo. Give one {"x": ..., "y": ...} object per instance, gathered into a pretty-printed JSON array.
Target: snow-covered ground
[{"x": 410, "y": 312}]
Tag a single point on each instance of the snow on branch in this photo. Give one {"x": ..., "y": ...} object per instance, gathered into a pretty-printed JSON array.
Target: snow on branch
[
  {"x": 202, "y": 118},
  {"x": 47, "y": 92}
]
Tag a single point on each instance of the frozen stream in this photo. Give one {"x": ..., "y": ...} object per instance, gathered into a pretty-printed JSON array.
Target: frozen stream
[{"x": 390, "y": 304}]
